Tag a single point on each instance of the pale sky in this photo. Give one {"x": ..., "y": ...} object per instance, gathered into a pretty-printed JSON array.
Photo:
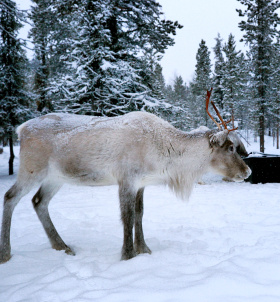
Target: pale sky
[{"x": 202, "y": 19}]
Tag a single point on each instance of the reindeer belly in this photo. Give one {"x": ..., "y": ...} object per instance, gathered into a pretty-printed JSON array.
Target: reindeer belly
[
  {"x": 85, "y": 174},
  {"x": 90, "y": 179}
]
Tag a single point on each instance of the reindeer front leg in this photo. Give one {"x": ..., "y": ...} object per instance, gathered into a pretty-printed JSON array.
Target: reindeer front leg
[{"x": 127, "y": 204}]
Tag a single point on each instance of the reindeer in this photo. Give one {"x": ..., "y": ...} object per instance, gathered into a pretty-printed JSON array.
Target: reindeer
[{"x": 131, "y": 151}]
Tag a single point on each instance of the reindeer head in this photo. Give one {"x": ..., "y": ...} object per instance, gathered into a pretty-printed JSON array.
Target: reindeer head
[{"x": 225, "y": 158}]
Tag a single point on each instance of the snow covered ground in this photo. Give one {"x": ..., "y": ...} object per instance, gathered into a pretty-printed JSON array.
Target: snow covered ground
[{"x": 221, "y": 245}]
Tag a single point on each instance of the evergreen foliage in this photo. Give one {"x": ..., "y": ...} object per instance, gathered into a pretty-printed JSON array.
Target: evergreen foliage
[
  {"x": 233, "y": 80},
  {"x": 14, "y": 99},
  {"x": 274, "y": 90},
  {"x": 201, "y": 83},
  {"x": 40, "y": 32},
  {"x": 178, "y": 97},
  {"x": 218, "y": 95},
  {"x": 158, "y": 82},
  {"x": 260, "y": 30},
  {"x": 51, "y": 33},
  {"x": 112, "y": 55}
]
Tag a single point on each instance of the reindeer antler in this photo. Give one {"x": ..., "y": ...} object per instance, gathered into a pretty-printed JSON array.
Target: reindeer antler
[{"x": 208, "y": 95}]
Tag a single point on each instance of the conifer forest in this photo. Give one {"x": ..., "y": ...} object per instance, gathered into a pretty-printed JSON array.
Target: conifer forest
[{"x": 103, "y": 58}]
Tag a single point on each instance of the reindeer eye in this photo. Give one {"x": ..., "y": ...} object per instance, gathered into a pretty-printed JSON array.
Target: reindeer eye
[{"x": 231, "y": 148}]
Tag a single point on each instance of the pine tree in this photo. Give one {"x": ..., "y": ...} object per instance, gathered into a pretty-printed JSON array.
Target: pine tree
[
  {"x": 218, "y": 94},
  {"x": 260, "y": 30},
  {"x": 158, "y": 83},
  {"x": 233, "y": 80},
  {"x": 243, "y": 106},
  {"x": 14, "y": 100},
  {"x": 201, "y": 83},
  {"x": 180, "y": 91},
  {"x": 40, "y": 33},
  {"x": 274, "y": 90},
  {"x": 114, "y": 52},
  {"x": 180, "y": 102},
  {"x": 51, "y": 34}
]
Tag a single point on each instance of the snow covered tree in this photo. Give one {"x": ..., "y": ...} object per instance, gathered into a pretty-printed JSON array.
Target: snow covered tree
[
  {"x": 274, "y": 105},
  {"x": 158, "y": 83},
  {"x": 14, "y": 100},
  {"x": 113, "y": 55},
  {"x": 243, "y": 110},
  {"x": 180, "y": 102},
  {"x": 260, "y": 29},
  {"x": 51, "y": 33},
  {"x": 180, "y": 92},
  {"x": 40, "y": 32},
  {"x": 218, "y": 96},
  {"x": 234, "y": 79},
  {"x": 201, "y": 83}
]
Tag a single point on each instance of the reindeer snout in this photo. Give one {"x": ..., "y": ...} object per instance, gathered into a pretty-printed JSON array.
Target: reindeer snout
[
  {"x": 248, "y": 172},
  {"x": 243, "y": 175}
]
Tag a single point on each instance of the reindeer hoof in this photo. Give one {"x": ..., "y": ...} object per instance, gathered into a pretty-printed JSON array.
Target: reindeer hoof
[
  {"x": 144, "y": 249},
  {"x": 68, "y": 251},
  {"x": 65, "y": 248},
  {"x": 128, "y": 255},
  {"x": 5, "y": 258}
]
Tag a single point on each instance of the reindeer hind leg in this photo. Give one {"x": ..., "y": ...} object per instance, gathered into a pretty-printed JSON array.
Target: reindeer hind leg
[
  {"x": 127, "y": 197},
  {"x": 139, "y": 241}
]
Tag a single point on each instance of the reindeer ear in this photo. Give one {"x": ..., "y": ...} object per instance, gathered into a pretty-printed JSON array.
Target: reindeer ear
[{"x": 219, "y": 138}]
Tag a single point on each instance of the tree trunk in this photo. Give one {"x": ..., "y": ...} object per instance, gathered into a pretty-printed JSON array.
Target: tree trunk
[
  {"x": 277, "y": 124},
  {"x": 261, "y": 133},
  {"x": 12, "y": 156},
  {"x": 277, "y": 137},
  {"x": 261, "y": 105}
]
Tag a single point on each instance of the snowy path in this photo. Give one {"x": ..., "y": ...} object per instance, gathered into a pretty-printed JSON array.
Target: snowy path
[{"x": 222, "y": 245}]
